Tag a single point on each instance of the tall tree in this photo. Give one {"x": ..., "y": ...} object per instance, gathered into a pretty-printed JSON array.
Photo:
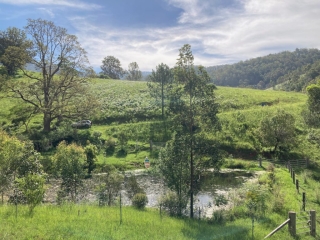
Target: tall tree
[
  {"x": 194, "y": 110},
  {"x": 12, "y": 37},
  {"x": 60, "y": 90},
  {"x": 133, "y": 72},
  {"x": 111, "y": 67},
  {"x": 159, "y": 84}
]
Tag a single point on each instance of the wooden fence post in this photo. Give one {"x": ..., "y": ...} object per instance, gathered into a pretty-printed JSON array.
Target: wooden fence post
[
  {"x": 313, "y": 223},
  {"x": 303, "y": 201},
  {"x": 292, "y": 223},
  {"x": 293, "y": 177},
  {"x": 297, "y": 185},
  {"x": 260, "y": 162}
]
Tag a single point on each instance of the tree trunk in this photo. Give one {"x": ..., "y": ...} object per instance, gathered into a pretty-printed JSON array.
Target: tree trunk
[{"x": 46, "y": 122}]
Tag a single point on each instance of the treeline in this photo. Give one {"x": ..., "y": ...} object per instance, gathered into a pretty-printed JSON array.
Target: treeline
[
  {"x": 300, "y": 78},
  {"x": 264, "y": 72}
]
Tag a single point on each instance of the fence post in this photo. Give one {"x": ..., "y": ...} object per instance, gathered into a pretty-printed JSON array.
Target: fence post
[
  {"x": 120, "y": 210},
  {"x": 297, "y": 185},
  {"x": 293, "y": 177},
  {"x": 303, "y": 201},
  {"x": 307, "y": 162},
  {"x": 260, "y": 162},
  {"x": 292, "y": 223},
  {"x": 313, "y": 223}
]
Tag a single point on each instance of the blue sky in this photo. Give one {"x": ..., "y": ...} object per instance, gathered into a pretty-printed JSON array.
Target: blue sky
[{"x": 151, "y": 32}]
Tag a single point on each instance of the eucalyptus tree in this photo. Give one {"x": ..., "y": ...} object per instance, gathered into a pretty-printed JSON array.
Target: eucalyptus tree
[
  {"x": 159, "y": 84},
  {"x": 193, "y": 111},
  {"x": 111, "y": 66},
  {"x": 60, "y": 89},
  {"x": 134, "y": 72}
]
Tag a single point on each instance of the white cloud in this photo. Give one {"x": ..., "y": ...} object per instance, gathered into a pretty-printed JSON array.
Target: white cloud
[
  {"x": 65, "y": 3},
  {"x": 257, "y": 28},
  {"x": 47, "y": 11}
]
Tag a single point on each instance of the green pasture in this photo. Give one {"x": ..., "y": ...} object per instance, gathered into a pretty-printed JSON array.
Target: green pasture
[{"x": 83, "y": 221}]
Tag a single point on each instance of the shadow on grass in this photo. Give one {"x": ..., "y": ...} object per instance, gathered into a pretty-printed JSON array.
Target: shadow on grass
[{"x": 202, "y": 231}]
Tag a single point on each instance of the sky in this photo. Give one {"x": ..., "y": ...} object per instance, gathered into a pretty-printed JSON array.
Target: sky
[{"x": 151, "y": 32}]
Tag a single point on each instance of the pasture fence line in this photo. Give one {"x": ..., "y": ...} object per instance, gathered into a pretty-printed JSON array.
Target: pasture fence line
[
  {"x": 294, "y": 163},
  {"x": 298, "y": 224}
]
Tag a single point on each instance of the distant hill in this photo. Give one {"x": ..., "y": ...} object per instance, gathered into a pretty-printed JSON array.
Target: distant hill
[
  {"x": 300, "y": 78},
  {"x": 264, "y": 72}
]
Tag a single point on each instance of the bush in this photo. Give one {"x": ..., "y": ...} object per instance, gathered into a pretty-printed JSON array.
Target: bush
[
  {"x": 170, "y": 203},
  {"x": 219, "y": 216},
  {"x": 110, "y": 146},
  {"x": 140, "y": 200}
]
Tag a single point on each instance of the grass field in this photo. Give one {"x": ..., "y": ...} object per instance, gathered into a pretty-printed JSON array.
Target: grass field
[{"x": 71, "y": 221}]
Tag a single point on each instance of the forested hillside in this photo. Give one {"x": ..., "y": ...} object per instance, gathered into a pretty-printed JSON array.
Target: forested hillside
[
  {"x": 265, "y": 72},
  {"x": 300, "y": 78}
]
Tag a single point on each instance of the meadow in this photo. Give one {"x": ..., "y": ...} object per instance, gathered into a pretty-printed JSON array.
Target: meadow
[{"x": 84, "y": 221}]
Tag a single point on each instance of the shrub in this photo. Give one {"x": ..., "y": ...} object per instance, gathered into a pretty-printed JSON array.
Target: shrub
[
  {"x": 110, "y": 145},
  {"x": 133, "y": 187},
  {"x": 171, "y": 204},
  {"x": 219, "y": 216},
  {"x": 140, "y": 200}
]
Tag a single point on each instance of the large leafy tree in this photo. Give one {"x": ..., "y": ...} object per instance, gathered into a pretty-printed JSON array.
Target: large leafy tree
[
  {"x": 12, "y": 37},
  {"x": 134, "y": 72},
  {"x": 278, "y": 131},
  {"x": 159, "y": 84},
  {"x": 194, "y": 111},
  {"x": 111, "y": 67},
  {"x": 60, "y": 89}
]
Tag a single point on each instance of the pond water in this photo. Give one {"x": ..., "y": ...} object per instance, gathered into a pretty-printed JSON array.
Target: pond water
[{"x": 211, "y": 185}]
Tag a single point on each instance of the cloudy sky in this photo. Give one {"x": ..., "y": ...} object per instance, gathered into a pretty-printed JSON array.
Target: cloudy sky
[{"x": 151, "y": 32}]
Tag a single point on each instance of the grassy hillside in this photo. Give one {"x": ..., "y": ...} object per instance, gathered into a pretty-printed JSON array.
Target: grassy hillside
[{"x": 126, "y": 107}]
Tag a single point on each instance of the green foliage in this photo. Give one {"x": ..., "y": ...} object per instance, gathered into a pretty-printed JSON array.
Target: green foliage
[
  {"x": 55, "y": 96},
  {"x": 171, "y": 203},
  {"x": 70, "y": 161},
  {"x": 111, "y": 68},
  {"x": 133, "y": 72},
  {"x": 301, "y": 77},
  {"x": 159, "y": 85},
  {"x": 32, "y": 187},
  {"x": 263, "y": 72},
  {"x": 132, "y": 187},
  {"x": 10, "y": 40},
  {"x": 175, "y": 168},
  {"x": 278, "y": 131},
  {"x": 109, "y": 187},
  {"x": 139, "y": 200},
  {"x": 91, "y": 152}
]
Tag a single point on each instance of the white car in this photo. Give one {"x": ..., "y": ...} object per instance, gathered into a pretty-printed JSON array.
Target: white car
[{"x": 82, "y": 124}]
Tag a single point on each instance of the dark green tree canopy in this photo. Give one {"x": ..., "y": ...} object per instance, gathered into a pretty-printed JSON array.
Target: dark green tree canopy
[
  {"x": 263, "y": 72},
  {"x": 12, "y": 38},
  {"x": 111, "y": 67}
]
